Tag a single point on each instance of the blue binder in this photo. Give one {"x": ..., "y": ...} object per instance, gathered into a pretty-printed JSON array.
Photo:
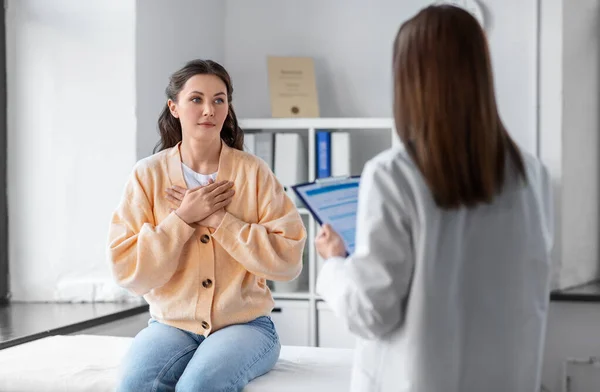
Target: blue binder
[{"x": 323, "y": 154}]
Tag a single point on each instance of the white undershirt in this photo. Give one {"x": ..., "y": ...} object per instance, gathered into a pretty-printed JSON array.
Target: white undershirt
[{"x": 194, "y": 180}]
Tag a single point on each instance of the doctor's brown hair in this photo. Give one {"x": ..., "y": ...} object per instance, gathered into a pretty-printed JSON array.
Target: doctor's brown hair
[{"x": 445, "y": 108}]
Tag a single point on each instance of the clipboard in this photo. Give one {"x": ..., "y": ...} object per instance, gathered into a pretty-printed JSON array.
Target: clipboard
[{"x": 333, "y": 200}]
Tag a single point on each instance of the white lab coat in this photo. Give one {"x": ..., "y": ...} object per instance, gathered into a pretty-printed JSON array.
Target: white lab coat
[{"x": 444, "y": 301}]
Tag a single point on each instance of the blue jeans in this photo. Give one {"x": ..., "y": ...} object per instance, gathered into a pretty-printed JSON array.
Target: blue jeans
[{"x": 165, "y": 358}]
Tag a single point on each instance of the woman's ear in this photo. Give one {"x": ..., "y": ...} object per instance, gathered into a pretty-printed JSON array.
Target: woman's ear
[{"x": 173, "y": 108}]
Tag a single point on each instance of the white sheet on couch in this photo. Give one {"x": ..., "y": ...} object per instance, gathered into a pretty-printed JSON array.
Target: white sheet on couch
[{"x": 90, "y": 363}]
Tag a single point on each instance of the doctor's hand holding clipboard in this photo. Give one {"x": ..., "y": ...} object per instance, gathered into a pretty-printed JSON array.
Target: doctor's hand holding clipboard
[{"x": 329, "y": 243}]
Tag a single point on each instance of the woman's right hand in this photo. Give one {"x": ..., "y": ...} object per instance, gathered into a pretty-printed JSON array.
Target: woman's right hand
[{"x": 201, "y": 202}]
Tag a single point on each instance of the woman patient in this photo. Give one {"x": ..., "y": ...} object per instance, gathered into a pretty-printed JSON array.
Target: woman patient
[{"x": 200, "y": 228}]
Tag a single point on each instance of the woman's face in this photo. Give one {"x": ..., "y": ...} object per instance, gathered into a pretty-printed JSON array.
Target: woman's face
[{"x": 201, "y": 107}]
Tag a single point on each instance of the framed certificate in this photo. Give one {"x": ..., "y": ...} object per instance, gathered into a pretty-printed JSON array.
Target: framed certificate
[{"x": 292, "y": 86}]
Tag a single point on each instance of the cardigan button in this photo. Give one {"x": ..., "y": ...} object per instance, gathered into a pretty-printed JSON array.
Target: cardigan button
[
  {"x": 204, "y": 239},
  {"x": 205, "y": 325},
  {"x": 207, "y": 284}
]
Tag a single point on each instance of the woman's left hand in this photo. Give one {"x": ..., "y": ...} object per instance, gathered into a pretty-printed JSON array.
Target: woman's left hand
[
  {"x": 329, "y": 243},
  {"x": 175, "y": 194}
]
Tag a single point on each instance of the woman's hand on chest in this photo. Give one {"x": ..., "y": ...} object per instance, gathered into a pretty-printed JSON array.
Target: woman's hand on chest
[{"x": 199, "y": 204}]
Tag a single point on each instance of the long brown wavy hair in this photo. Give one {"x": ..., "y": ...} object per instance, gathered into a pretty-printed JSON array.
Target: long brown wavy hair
[
  {"x": 169, "y": 127},
  {"x": 445, "y": 107}
]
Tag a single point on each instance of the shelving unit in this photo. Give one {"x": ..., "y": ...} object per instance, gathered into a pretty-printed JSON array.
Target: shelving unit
[{"x": 296, "y": 310}]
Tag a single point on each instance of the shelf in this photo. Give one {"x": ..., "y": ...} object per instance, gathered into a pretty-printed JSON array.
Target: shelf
[
  {"x": 277, "y": 295},
  {"x": 317, "y": 123},
  {"x": 297, "y": 303}
]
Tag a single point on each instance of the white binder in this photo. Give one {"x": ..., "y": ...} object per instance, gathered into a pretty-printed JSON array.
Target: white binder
[{"x": 290, "y": 162}]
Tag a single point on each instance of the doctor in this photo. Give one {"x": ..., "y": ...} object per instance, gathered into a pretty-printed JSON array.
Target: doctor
[{"x": 448, "y": 287}]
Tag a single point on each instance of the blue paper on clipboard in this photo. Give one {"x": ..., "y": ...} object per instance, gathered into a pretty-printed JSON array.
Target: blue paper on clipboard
[{"x": 334, "y": 201}]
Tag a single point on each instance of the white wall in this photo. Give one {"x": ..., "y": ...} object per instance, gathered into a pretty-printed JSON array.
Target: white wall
[
  {"x": 351, "y": 42},
  {"x": 168, "y": 34},
  {"x": 71, "y": 138},
  {"x": 569, "y": 141},
  {"x": 550, "y": 115},
  {"x": 581, "y": 142},
  {"x": 569, "y": 138}
]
